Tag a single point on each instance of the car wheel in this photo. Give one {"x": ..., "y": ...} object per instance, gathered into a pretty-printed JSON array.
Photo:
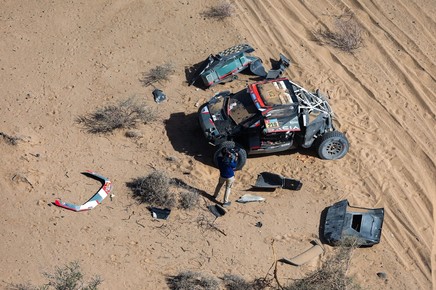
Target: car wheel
[
  {"x": 242, "y": 154},
  {"x": 332, "y": 145}
]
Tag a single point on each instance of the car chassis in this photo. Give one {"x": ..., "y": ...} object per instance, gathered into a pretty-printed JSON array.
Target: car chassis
[{"x": 272, "y": 116}]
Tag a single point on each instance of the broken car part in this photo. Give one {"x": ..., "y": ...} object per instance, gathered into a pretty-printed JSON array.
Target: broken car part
[
  {"x": 343, "y": 221},
  {"x": 272, "y": 180},
  {"x": 95, "y": 200},
  {"x": 308, "y": 255},
  {"x": 250, "y": 198}
]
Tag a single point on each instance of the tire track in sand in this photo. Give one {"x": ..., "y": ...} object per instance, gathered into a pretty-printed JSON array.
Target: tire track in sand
[{"x": 391, "y": 94}]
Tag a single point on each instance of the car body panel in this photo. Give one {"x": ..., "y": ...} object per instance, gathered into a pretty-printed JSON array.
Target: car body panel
[{"x": 343, "y": 220}]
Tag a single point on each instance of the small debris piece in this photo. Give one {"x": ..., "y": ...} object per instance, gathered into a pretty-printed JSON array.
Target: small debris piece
[
  {"x": 159, "y": 96},
  {"x": 159, "y": 213},
  {"x": 259, "y": 224},
  {"x": 217, "y": 210},
  {"x": 382, "y": 275},
  {"x": 250, "y": 198},
  {"x": 316, "y": 250},
  {"x": 272, "y": 180}
]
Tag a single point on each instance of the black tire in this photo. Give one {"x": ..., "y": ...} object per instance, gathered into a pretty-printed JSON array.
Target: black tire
[
  {"x": 332, "y": 145},
  {"x": 242, "y": 154}
]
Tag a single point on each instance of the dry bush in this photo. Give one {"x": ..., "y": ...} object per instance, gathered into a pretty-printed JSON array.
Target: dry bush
[
  {"x": 11, "y": 140},
  {"x": 188, "y": 199},
  {"x": 68, "y": 277},
  {"x": 346, "y": 36},
  {"x": 153, "y": 189},
  {"x": 25, "y": 286},
  {"x": 233, "y": 282},
  {"x": 189, "y": 280},
  {"x": 332, "y": 274},
  {"x": 126, "y": 114},
  {"x": 158, "y": 74},
  {"x": 220, "y": 11}
]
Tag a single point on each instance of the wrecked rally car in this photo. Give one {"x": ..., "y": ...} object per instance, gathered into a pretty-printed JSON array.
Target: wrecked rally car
[
  {"x": 271, "y": 116},
  {"x": 344, "y": 221},
  {"x": 224, "y": 66}
]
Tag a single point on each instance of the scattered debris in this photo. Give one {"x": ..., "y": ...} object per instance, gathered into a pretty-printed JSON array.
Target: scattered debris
[
  {"x": 159, "y": 96},
  {"x": 344, "y": 221},
  {"x": 250, "y": 198},
  {"x": 382, "y": 275},
  {"x": 224, "y": 66},
  {"x": 217, "y": 210},
  {"x": 308, "y": 255},
  {"x": 95, "y": 200},
  {"x": 259, "y": 224},
  {"x": 159, "y": 213},
  {"x": 272, "y": 180},
  {"x": 282, "y": 64}
]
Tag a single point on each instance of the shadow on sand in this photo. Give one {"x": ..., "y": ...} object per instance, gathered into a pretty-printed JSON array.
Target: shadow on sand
[{"x": 186, "y": 137}]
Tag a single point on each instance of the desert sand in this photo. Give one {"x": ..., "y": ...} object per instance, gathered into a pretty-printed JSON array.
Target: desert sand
[{"x": 63, "y": 59}]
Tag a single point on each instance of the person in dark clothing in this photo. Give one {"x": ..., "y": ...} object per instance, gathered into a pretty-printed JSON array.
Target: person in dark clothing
[{"x": 226, "y": 163}]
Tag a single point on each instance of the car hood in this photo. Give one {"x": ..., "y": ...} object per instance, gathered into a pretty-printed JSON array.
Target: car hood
[{"x": 344, "y": 221}]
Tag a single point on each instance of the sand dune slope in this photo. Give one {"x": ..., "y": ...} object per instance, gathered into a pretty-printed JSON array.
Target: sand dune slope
[{"x": 384, "y": 96}]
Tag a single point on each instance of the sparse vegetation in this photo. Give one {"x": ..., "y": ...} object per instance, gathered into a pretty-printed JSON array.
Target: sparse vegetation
[
  {"x": 11, "y": 140},
  {"x": 126, "y": 114},
  {"x": 68, "y": 277},
  {"x": 154, "y": 189},
  {"x": 219, "y": 11},
  {"x": 189, "y": 280},
  {"x": 158, "y": 189},
  {"x": 158, "y": 74},
  {"x": 233, "y": 282},
  {"x": 347, "y": 35},
  {"x": 332, "y": 274},
  {"x": 188, "y": 199}
]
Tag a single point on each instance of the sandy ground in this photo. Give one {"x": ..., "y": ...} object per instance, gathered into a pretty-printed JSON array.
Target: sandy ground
[{"x": 63, "y": 59}]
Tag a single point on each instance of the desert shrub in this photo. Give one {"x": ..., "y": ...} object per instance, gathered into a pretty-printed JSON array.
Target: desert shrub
[
  {"x": 26, "y": 286},
  {"x": 219, "y": 11},
  {"x": 188, "y": 199},
  {"x": 126, "y": 114},
  {"x": 233, "y": 282},
  {"x": 11, "y": 140},
  {"x": 189, "y": 280},
  {"x": 153, "y": 189},
  {"x": 346, "y": 36},
  {"x": 158, "y": 74},
  {"x": 68, "y": 277},
  {"x": 332, "y": 274}
]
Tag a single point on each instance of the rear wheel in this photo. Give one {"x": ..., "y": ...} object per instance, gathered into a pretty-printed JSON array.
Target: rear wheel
[
  {"x": 332, "y": 145},
  {"x": 242, "y": 154}
]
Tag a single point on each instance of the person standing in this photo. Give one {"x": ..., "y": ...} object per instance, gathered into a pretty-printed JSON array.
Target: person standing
[{"x": 226, "y": 163}]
